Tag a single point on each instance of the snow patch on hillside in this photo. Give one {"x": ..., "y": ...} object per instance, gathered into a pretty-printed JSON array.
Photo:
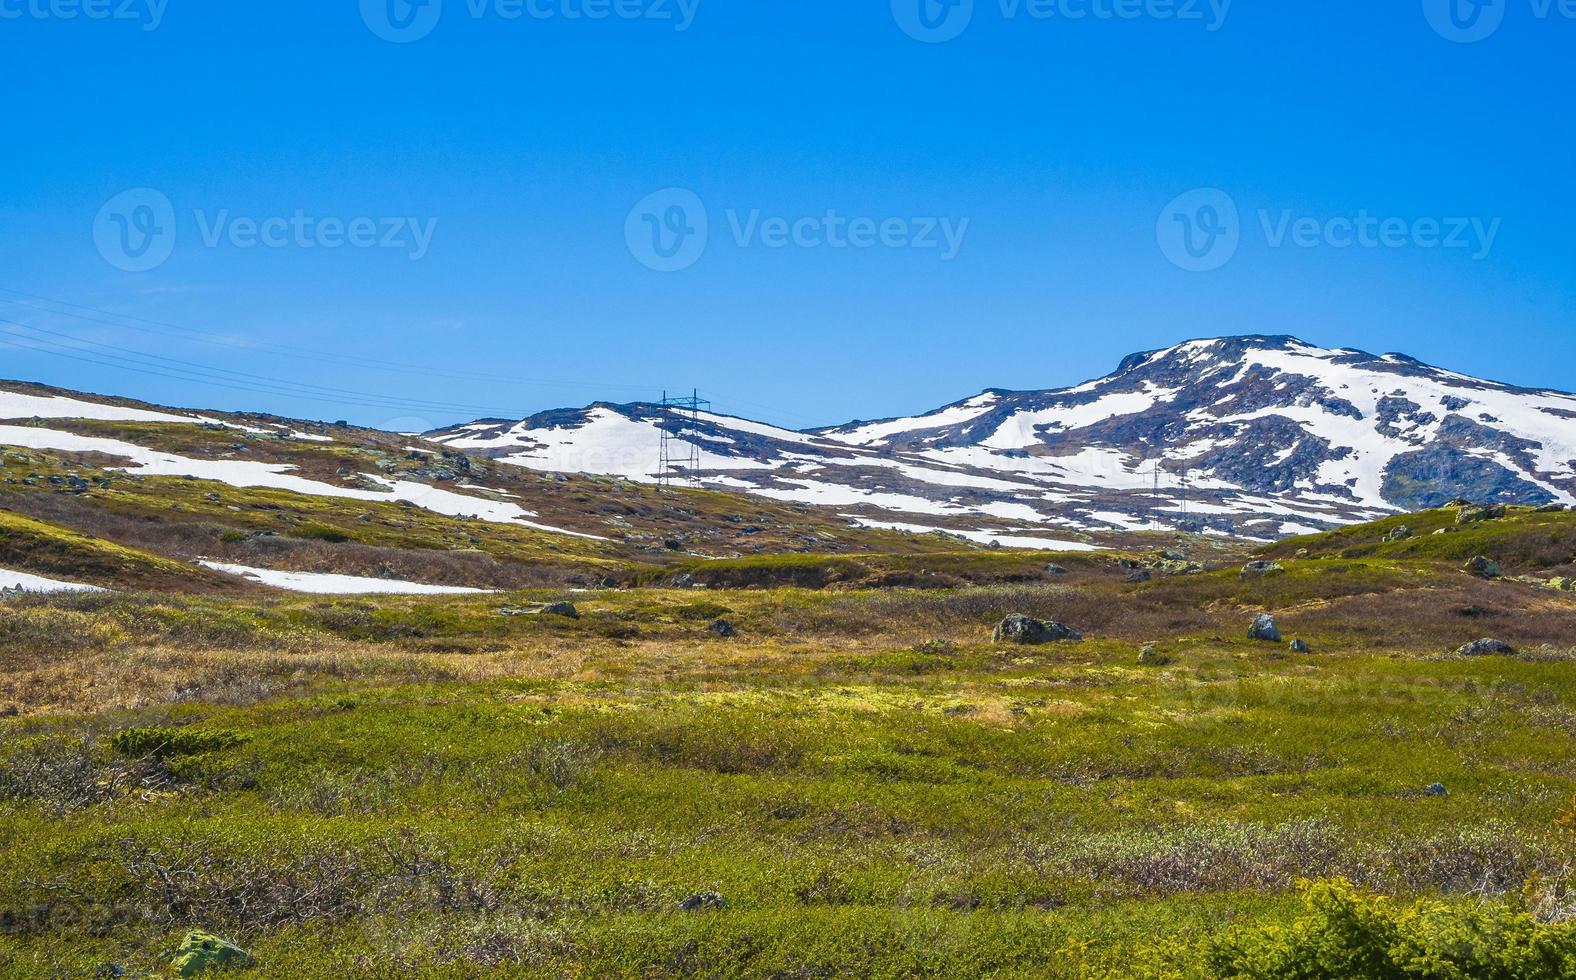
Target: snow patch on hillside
[
  {"x": 319, "y": 583},
  {"x": 26, "y": 582}
]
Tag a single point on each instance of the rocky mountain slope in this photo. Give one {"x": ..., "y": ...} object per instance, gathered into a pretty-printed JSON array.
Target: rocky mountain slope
[
  {"x": 1255, "y": 436},
  {"x": 99, "y": 491}
]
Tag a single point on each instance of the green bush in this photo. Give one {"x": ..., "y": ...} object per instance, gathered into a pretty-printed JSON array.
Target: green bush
[
  {"x": 167, "y": 743},
  {"x": 1349, "y": 934}
]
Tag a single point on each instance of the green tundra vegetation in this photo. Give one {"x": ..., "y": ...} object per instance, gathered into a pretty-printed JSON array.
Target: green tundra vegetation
[{"x": 848, "y": 779}]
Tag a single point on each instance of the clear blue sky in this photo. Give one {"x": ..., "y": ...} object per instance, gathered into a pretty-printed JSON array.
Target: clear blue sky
[{"x": 528, "y": 141}]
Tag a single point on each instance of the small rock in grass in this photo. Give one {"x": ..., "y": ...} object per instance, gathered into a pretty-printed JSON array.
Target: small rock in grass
[
  {"x": 1261, "y": 569},
  {"x": 1300, "y": 646},
  {"x": 1562, "y": 584},
  {"x": 1264, "y": 628},
  {"x": 1436, "y": 789},
  {"x": 1150, "y": 656},
  {"x": 722, "y": 628},
  {"x": 1487, "y": 648},
  {"x": 703, "y": 901},
  {"x": 200, "y": 952},
  {"x": 683, "y": 581},
  {"x": 1055, "y": 570},
  {"x": 1401, "y": 533},
  {"x": 1482, "y": 567},
  {"x": 1550, "y": 509},
  {"x": 1027, "y": 630},
  {"x": 1138, "y": 575},
  {"x": 566, "y": 609}
]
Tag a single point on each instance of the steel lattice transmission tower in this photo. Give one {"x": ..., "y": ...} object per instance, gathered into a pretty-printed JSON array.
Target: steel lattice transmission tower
[{"x": 675, "y": 451}]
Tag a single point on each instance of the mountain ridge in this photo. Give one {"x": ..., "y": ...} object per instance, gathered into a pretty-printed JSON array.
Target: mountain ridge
[{"x": 1239, "y": 432}]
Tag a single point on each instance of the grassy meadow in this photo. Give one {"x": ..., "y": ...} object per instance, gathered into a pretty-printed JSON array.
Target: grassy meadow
[{"x": 856, "y": 783}]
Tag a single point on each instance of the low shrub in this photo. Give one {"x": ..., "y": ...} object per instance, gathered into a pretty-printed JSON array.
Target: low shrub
[
  {"x": 1353, "y": 935},
  {"x": 167, "y": 743}
]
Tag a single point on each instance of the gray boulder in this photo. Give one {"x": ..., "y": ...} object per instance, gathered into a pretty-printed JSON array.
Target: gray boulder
[
  {"x": 722, "y": 628},
  {"x": 1027, "y": 630},
  {"x": 1482, "y": 567},
  {"x": 1300, "y": 646},
  {"x": 1054, "y": 569},
  {"x": 566, "y": 609},
  {"x": 1488, "y": 512},
  {"x": 1261, "y": 569},
  {"x": 1436, "y": 789},
  {"x": 1487, "y": 648},
  {"x": 1264, "y": 628}
]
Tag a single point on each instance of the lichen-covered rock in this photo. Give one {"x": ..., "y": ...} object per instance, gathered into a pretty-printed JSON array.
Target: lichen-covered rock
[
  {"x": 200, "y": 952},
  {"x": 1482, "y": 567},
  {"x": 1400, "y": 533},
  {"x": 1261, "y": 569},
  {"x": 1487, "y": 648},
  {"x": 1264, "y": 628},
  {"x": 1150, "y": 656},
  {"x": 1027, "y": 630},
  {"x": 1562, "y": 584},
  {"x": 1472, "y": 515}
]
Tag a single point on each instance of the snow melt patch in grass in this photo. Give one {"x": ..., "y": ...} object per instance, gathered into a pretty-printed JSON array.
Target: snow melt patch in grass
[
  {"x": 37, "y": 583},
  {"x": 319, "y": 583}
]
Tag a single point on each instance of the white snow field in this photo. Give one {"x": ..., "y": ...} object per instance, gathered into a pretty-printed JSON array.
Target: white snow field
[{"x": 320, "y": 583}]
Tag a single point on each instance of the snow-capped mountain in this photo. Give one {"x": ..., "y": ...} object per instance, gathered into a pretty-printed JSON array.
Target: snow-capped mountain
[{"x": 1260, "y": 436}]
